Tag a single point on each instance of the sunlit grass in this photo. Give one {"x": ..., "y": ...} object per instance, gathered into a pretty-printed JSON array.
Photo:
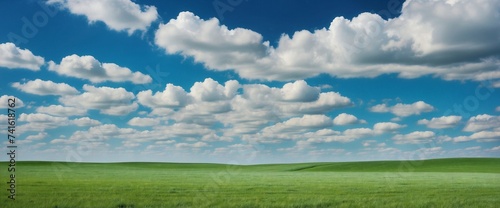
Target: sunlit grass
[{"x": 468, "y": 183}]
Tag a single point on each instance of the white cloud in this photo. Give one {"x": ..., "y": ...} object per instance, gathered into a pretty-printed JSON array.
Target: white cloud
[
  {"x": 101, "y": 133},
  {"x": 326, "y": 102},
  {"x": 473, "y": 148},
  {"x": 110, "y": 101},
  {"x": 87, "y": 67},
  {"x": 4, "y": 101},
  {"x": 416, "y": 137},
  {"x": 498, "y": 109},
  {"x": 403, "y": 110},
  {"x": 368, "y": 143},
  {"x": 245, "y": 111},
  {"x": 63, "y": 111},
  {"x": 188, "y": 145},
  {"x": 39, "y": 136},
  {"x": 119, "y": 15},
  {"x": 12, "y": 57},
  {"x": 299, "y": 124},
  {"x": 482, "y": 136},
  {"x": 31, "y": 138},
  {"x": 136, "y": 121},
  {"x": 415, "y": 44},
  {"x": 41, "y": 122},
  {"x": 86, "y": 121},
  {"x": 441, "y": 122},
  {"x": 215, "y": 46},
  {"x": 172, "y": 97},
  {"x": 41, "y": 87},
  {"x": 497, "y": 148},
  {"x": 384, "y": 127},
  {"x": 346, "y": 119},
  {"x": 482, "y": 122},
  {"x": 299, "y": 91}
]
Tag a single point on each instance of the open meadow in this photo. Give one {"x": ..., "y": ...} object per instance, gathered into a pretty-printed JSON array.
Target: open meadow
[{"x": 429, "y": 183}]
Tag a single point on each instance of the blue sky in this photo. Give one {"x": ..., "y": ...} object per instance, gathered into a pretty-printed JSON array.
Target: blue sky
[{"x": 252, "y": 81}]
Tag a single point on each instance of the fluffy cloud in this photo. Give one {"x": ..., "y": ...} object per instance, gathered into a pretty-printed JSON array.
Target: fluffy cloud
[
  {"x": 119, "y": 15},
  {"x": 498, "y": 109},
  {"x": 299, "y": 91},
  {"x": 385, "y": 127},
  {"x": 473, "y": 148},
  {"x": 136, "y": 121},
  {"x": 482, "y": 122},
  {"x": 304, "y": 123},
  {"x": 346, "y": 119},
  {"x": 188, "y": 145},
  {"x": 86, "y": 121},
  {"x": 110, "y": 101},
  {"x": 441, "y": 122},
  {"x": 209, "y": 43},
  {"x": 63, "y": 111},
  {"x": 31, "y": 138},
  {"x": 403, "y": 110},
  {"x": 415, "y": 44},
  {"x": 38, "y": 136},
  {"x": 41, "y": 87},
  {"x": 417, "y": 137},
  {"x": 482, "y": 136},
  {"x": 210, "y": 90},
  {"x": 13, "y": 57},
  {"x": 4, "y": 99},
  {"x": 87, "y": 67},
  {"x": 40, "y": 122},
  {"x": 246, "y": 111},
  {"x": 172, "y": 97}
]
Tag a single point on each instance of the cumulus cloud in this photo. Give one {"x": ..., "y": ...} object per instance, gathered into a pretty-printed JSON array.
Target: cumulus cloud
[
  {"x": 299, "y": 91},
  {"x": 63, "y": 111},
  {"x": 41, "y": 87},
  {"x": 188, "y": 145},
  {"x": 89, "y": 68},
  {"x": 385, "y": 127},
  {"x": 119, "y": 15},
  {"x": 498, "y": 109},
  {"x": 136, "y": 121},
  {"x": 299, "y": 124},
  {"x": 482, "y": 122},
  {"x": 346, "y": 119},
  {"x": 210, "y": 90},
  {"x": 173, "y": 96},
  {"x": 403, "y": 110},
  {"x": 86, "y": 121},
  {"x": 13, "y": 57},
  {"x": 216, "y": 46},
  {"x": 4, "y": 101},
  {"x": 40, "y": 122},
  {"x": 473, "y": 148},
  {"x": 39, "y": 136},
  {"x": 416, "y": 137},
  {"x": 482, "y": 136},
  {"x": 110, "y": 101},
  {"x": 462, "y": 45},
  {"x": 441, "y": 122}
]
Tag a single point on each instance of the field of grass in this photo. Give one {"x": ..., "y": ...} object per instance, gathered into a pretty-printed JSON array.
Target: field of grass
[{"x": 429, "y": 183}]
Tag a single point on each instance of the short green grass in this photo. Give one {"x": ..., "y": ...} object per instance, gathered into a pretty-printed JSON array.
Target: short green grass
[{"x": 429, "y": 183}]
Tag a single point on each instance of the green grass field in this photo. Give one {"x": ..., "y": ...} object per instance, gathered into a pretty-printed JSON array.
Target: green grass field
[{"x": 429, "y": 183}]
